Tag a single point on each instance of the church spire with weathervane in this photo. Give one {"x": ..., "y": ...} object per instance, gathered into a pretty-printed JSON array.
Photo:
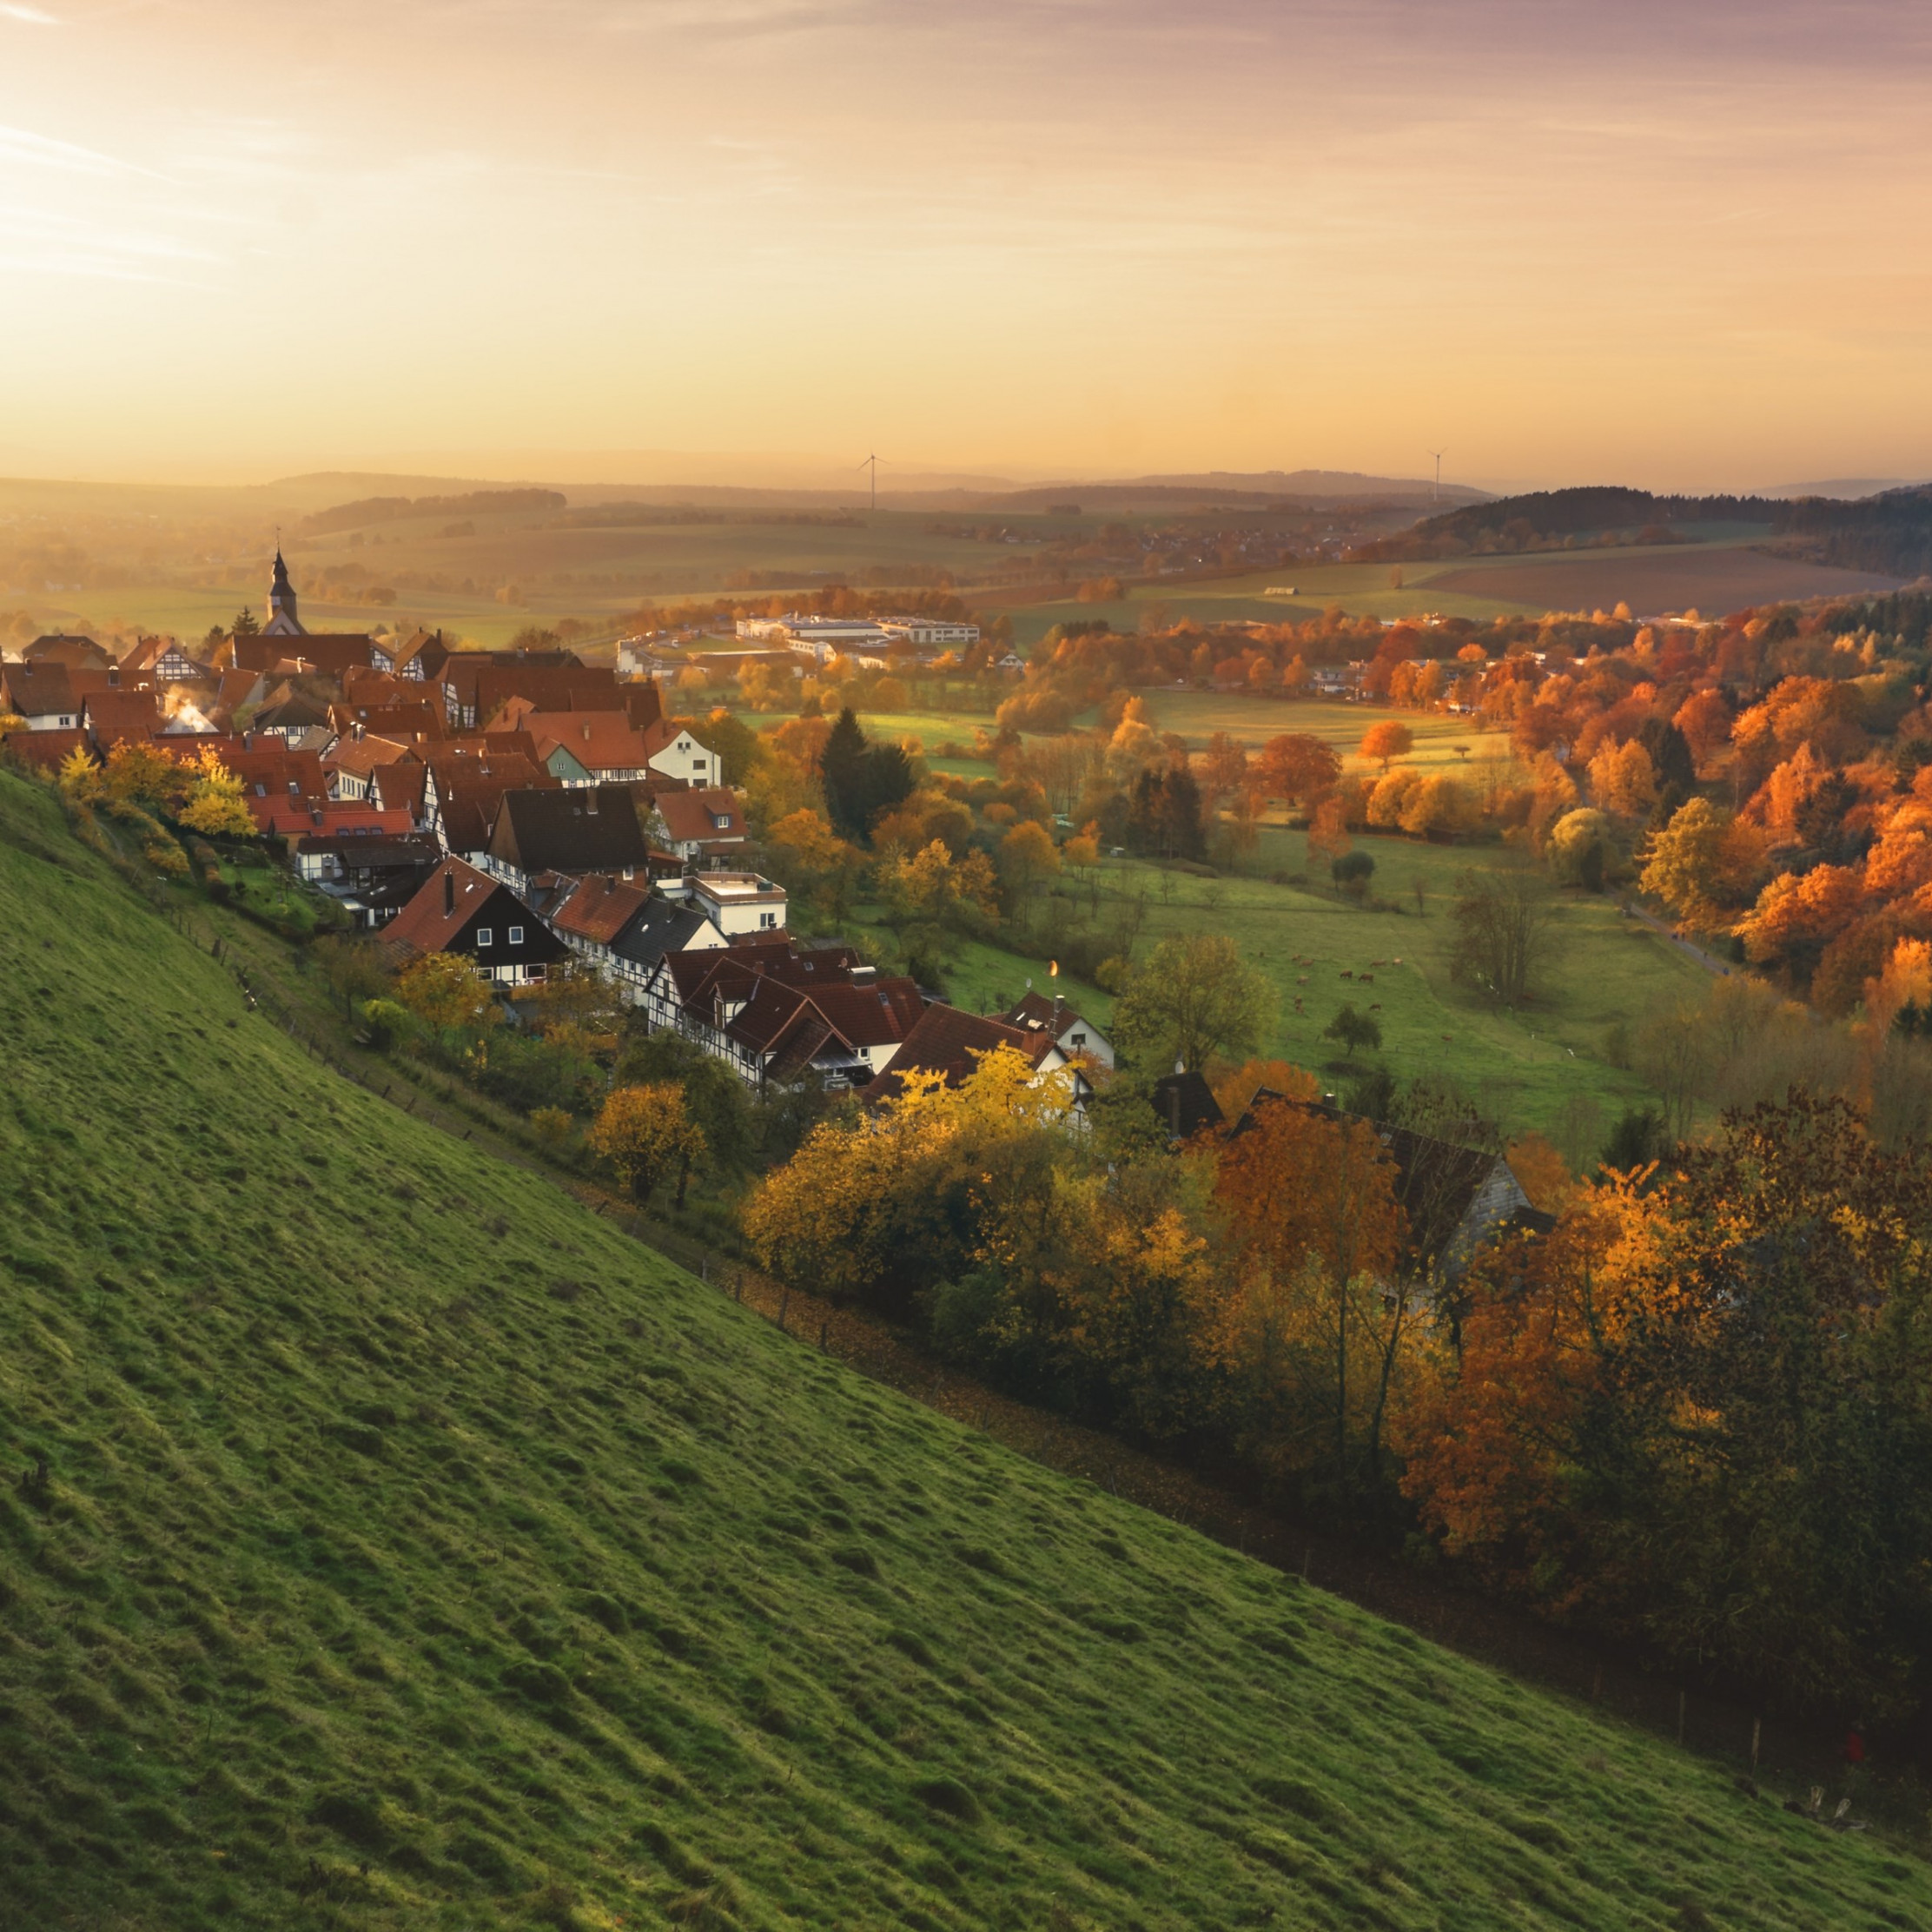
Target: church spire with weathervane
[{"x": 282, "y": 621}]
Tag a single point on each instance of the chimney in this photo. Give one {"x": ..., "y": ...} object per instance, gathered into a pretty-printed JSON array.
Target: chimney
[
  {"x": 449, "y": 891},
  {"x": 592, "y": 806}
]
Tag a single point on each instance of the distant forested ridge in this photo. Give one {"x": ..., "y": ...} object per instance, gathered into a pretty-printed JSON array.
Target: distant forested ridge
[
  {"x": 1891, "y": 533},
  {"x": 392, "y": 509}
]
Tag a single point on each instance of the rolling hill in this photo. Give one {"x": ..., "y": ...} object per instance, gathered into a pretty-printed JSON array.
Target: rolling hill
[{"x": 388, "y": 1541}]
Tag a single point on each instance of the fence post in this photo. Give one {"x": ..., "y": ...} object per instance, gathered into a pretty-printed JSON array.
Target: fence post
[{"x": 1758, "y": 1728}]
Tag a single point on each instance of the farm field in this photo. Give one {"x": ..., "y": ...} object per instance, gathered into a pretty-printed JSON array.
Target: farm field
[
  {"x": 1197, "y": 715},
  {"x": 1543, "y": 1068},
  {"x": 413, "y": 1549},
  {"x": 1720, "y": 575}
]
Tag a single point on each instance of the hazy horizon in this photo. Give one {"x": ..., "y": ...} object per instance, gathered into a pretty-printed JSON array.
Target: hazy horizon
[{"x": 1032, "y": 240}]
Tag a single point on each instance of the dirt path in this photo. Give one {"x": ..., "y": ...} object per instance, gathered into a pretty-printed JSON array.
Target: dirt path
[{"x": 1710, "y": 962}]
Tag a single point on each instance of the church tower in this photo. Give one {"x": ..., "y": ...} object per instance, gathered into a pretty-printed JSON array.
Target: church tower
[{"x": 282, "y": 621}]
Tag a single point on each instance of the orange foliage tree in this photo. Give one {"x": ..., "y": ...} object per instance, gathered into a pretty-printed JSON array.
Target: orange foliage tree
[
  {"x": 1387, "y": 741},
  {"x": 1313, "y": 1319}
]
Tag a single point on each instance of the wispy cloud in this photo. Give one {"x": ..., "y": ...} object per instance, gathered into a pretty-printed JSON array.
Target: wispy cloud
[
  {"x": 39, "y": 150},
  {"x": 32, "y": 16}
]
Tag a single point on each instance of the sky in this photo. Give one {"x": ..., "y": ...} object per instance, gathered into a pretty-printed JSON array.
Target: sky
[{"x": 1681, "y": 245}]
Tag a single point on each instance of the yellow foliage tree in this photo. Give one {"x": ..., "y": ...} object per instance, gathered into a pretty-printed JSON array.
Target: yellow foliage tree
[
  {"x": 1624, "y": 779},
  {"x": 214, "y": 800},
  {"x": 643, "y": 1132},
  {"x": 442, "y": 989}
]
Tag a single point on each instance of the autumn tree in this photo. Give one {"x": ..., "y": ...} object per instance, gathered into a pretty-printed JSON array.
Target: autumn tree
[
  {"x": 214, "y": 803},
  {"x": 1385, "y": 741},
  {"x": 1295, "y": 766},
  {"x": 1700, "y": 865},
  {"x": 353, "y": 969},
  {"x": 1195, "y": 1000},
  {"x": 1027, "y": 860},
  {"x": 1305, "y": 1329},
  {"x": 442, "y": 989},
  {"x": 643, "y": 1132},
  {"x": 812, "y": 862}
]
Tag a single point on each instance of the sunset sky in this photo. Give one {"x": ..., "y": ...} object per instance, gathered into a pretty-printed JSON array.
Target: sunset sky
[{"x": 1675, "y": 244}]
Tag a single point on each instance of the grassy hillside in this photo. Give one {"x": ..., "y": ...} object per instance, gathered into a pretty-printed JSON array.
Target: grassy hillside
[{"x": 413, "y": 1549}]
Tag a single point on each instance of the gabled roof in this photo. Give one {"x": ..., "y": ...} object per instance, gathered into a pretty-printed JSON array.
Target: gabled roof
[
  {"x": 427, "y": 646},
  {"x": 598, "y": 740},
  {"x": 600, "y": 908},
  {"x": 398, "y": 786},
  {"x": 951, "y": 1042},
  {"x": 1185, "y": 1104},
  {"x": 667, "y": 730},
  {"x": 693, "y": 817},
  {"x": 585, "y": 829},
  {"x": 664, "y": 926},
  {"x": 1036, "y": 1012},
  {"x": 438, "y": 913},
  {"x": 361, "y": 757},
  {"x": 296, "y": 712},
  {"x": 48, "y": 689},
  {"x": 332, "y": 651},
  {"x": 47, "y": 749},
  {"x": 113, "y": 716},
  {"x": 77, "y": 652},
  {"x": 293, "y": 818},
  {"x": 408, "y": 718},
  {"x": 734, "y": 969}
]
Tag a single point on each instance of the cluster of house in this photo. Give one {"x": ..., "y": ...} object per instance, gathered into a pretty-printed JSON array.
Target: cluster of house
[
  {"x": 374, "y": 756},
  {"x": 708, "y": 955}
]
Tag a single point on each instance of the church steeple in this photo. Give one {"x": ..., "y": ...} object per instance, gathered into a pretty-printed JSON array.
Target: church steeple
[{"x": 282, "y": 619}]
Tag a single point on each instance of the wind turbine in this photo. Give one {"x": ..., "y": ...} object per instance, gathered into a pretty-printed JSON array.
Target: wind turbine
[
  {"x": 872, "y": 462},
  {"x": 1438, "y": 454}
]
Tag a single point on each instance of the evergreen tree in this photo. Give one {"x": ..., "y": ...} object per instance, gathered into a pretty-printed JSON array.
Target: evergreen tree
[
  {"x": 1181, "y": 831},
  {"x": 888, "y": 778},
  {"x": 842, "y": 772},
  {"x": 1670, "y": 753}
]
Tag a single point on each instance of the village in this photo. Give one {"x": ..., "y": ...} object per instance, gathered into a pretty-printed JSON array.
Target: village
[{"x": 521, "y": 811}]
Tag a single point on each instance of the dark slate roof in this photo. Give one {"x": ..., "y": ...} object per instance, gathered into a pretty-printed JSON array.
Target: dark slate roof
[
  {"x": 577, "y": 829},
  {"x": 664, "y": 926},
  {"x": 1185, "y": 1104}
]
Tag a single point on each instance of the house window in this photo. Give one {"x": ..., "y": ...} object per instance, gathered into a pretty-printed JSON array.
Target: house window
[
  {"x": 768, "y": 918},
  {"x": 516, "y": 936},
  {"x": 483, "y": 935},
  {"x": 1079, "y": 1039}
]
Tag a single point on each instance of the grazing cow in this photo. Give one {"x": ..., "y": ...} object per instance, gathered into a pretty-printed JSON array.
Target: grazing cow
[
  {"x": 1302, "y": 980},
  {"x": 1376, "y": 1008},
  {"x": 1377, "y": 963},
  {"x": 1346, "y": 974},
  {"x": 1367, "y": 979}
]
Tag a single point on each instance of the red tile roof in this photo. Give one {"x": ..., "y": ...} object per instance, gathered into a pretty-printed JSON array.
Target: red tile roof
[
  {"x": 114, "y": 715},
  {"x": 600, "y": 908},
  {"x": 598, "y": 740},
  {"x": 424, "y": 925},
  {"x": 46, "y": 749},
  {"x": 691, "y": 817}
]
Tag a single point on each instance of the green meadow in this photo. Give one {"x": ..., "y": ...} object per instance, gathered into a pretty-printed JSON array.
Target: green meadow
[{"x": 389, "y": 1542}]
